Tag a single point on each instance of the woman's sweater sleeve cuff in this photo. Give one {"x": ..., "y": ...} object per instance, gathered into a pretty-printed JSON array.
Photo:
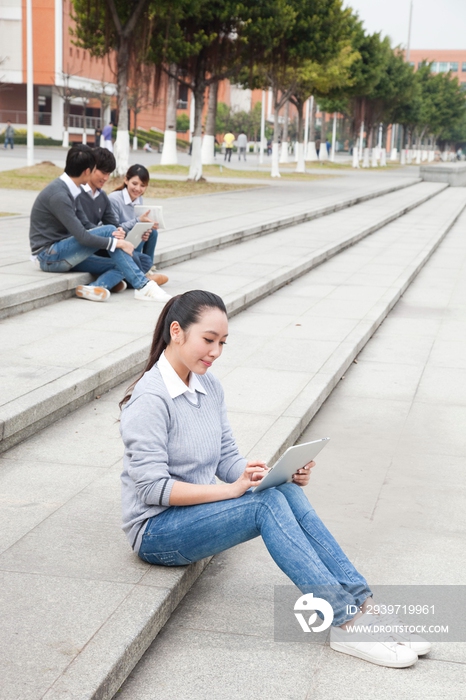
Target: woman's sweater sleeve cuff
[{"x": 160, "y": 495}]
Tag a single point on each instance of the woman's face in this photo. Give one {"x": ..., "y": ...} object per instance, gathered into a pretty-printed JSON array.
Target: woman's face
[
  {"x": 196, "y": 349},
  {"x": 135, "y": 186}
]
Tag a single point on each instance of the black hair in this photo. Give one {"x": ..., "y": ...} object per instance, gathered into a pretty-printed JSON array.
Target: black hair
[
  {"x": 186, "y": 309},
  {"x": 104, "y": 160},
  {"x": 79, "y": 159},
  {"x": 136, "y": 170}
]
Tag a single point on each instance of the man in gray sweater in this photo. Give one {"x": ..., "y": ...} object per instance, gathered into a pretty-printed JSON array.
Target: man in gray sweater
[{"x": 62, "y": 239}]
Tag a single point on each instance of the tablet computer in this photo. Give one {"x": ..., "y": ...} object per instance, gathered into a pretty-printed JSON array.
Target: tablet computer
[
  {"x": 293, "y": 459},
  {"x": 156, "y": 214},
  {"x": 135, "y": 235}
]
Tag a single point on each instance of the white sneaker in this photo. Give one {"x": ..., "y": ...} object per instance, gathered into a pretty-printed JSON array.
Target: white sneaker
[
  {"x": 398, "y": 630},
  {"x": 370, "y": 644},
  {"x": 84, "y": 291},
  {"x": 151, "y": 292}
]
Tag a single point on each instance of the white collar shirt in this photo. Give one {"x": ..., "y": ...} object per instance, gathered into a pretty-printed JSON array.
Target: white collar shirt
[
  {"x": 175, "y": 385},
  {"x": 127, "y": 199},
  {"x": 72, "y": 186},
  {"x": 87, "y": 188}
]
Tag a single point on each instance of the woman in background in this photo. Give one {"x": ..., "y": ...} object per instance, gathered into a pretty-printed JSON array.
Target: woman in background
[{"x": 123, "y": 201}]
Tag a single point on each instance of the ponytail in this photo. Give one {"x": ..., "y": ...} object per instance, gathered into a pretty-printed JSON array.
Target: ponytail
[{"x": 186, "y": 309}]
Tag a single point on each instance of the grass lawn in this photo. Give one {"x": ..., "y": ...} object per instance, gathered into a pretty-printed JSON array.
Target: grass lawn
[
  {"x": 36, "y": 177},
  {"x": 222, "y": 170}
]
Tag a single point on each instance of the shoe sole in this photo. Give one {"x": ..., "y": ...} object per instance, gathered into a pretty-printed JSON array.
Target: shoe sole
[
  {"x": 97, "y": 294},
  {"x": 343, "y": 649},
  {"x": 161, "y": 301}
]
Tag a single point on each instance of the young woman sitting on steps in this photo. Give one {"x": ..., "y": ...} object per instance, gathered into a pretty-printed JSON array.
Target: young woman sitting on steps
[
  {"x": 123, "y": 200},
  {"x": 178, "y": 440}
]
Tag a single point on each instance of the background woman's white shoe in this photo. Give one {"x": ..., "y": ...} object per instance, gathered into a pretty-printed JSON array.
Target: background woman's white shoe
[
  {"x": 371, "y": 645},
  {"x": 151, "y": 292}
]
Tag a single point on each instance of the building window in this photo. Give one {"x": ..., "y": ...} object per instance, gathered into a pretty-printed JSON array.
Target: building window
[
  {"x": 182, "y": 97},
  {"x": 454, "y": 66},
  {"x": 463, "y": 67},
  {"x": 443, "y": 67},
  {"x": 434, "y": 67}
]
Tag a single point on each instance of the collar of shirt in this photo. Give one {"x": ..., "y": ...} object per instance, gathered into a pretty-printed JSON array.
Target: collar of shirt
[
  {"x": 73, "y": 188},
  {"x": 87, "y": 188},
  {"x": 127, "y": 199},
  {"x": 175, "y": 385}
]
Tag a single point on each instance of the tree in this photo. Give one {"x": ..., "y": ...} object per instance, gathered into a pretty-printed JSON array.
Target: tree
[
  {"x": 287, "y": 37},
  {"x": 169, "y": 154},
  {"x": 320, "y": 80},
  {"x": 115, "y": 25},
  {"x": 201, "y": 37}
]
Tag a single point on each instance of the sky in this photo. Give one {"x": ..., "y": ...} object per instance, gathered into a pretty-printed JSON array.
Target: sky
[{"x": 436, "y": 24}]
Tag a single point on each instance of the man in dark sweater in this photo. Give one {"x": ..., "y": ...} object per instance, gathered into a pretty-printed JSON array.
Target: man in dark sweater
[
  {"x": 98, "y": 211},
  {"x": 62, "y": 239}
]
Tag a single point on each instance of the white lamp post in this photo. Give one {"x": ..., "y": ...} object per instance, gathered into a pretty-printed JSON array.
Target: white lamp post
[
  {"x": 261, "y": 148},
  {"x": 30, "y": 85}
]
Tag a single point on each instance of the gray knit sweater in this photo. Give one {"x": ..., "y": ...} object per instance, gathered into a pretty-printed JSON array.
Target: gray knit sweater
[
  {"x": 168, "y": 440},
  {"x": 55, "y": 215}
]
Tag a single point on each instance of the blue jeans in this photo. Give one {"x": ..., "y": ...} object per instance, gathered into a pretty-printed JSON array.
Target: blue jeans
[
  {"x": 148, "y": 247},
  {"x": 296, "y": 538},
  {"x": 70, "y": 255},
  {"x": 9, "y": 140}
]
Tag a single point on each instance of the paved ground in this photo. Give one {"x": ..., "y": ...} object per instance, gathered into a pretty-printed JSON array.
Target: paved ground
[
  {"x": 17, "y": 158},
  {"x": 390, "y": 486}
]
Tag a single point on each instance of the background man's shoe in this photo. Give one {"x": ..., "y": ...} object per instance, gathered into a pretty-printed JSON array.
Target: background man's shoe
[
  {"x": 151, "y": 292},
  {"x": 158, "y": 278},
  {"x": 84, "y": 291},
  {"x": 120, "y": 287}
]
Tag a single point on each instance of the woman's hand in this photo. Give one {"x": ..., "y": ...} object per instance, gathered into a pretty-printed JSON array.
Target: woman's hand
[
  {"x": 146, "y": 218},
  {"x": 146, "y": 234},
  {"x": 254, "y": 472},
  {"x": 119, "y": 233},
  {"x": 302, "y": 476}
]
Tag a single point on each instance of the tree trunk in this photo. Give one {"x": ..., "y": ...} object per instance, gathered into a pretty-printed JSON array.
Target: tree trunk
[
  {"x": 169, "y": 153},
  {"x": 122, "y": 140},
  {"x": 195, "y": 170},
  {"x": 208, "y": 143},
  {"x": 66, "y": 132},
  {"x": 311, "y": 148},
  {"x": 301, "y": 164},
  {"x": 276, "y": 130},
  {"x": 285, "y": 144}
]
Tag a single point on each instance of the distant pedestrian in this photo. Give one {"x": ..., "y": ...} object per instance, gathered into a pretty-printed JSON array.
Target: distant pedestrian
[
  {"x": 228, "y": 140},
  {"x": 9, "y": 135},
  {"x": 242, "y": 143},
  {"x": 269, "y": 146},
  {"x": 107, "y": 134},
  {"x": 147, "y": 147}
]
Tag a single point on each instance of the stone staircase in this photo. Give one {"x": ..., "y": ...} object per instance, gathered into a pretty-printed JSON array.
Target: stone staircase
[{"x": 306, "y": 291}]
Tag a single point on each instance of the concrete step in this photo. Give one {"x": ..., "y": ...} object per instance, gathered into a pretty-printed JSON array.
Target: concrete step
[
  {"x": 83, "y": 350},
  {"x": 30, "y": 288},
  {"x": 59, "y": 550}
]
